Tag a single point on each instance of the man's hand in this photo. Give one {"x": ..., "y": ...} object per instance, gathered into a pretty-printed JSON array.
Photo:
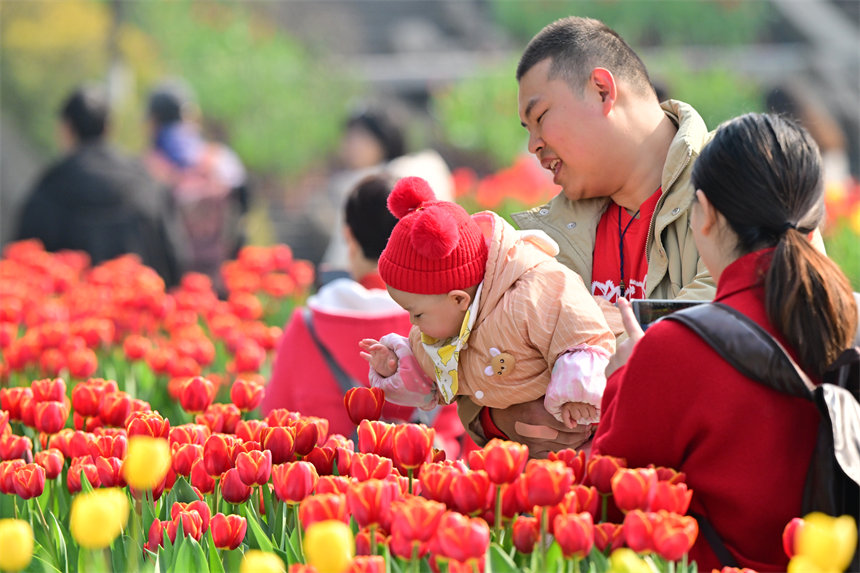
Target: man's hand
[
  {"x": 634, "y": 333},
  {"x": 381, "y": 358},
  {"x": 532, "y": 425}
]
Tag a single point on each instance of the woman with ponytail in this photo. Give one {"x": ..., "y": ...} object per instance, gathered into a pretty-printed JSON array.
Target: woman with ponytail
[{"x": 674, "y": 401}]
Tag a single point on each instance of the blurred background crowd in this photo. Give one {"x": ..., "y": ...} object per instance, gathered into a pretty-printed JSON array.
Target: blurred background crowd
[{"x": 300, "y": 98}]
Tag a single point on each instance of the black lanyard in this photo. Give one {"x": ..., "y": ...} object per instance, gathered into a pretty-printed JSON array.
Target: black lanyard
[{"x": 621, "y": 242}]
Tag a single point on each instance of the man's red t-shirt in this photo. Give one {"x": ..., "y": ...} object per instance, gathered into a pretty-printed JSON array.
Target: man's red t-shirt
[{"x": 617, "y": 229}]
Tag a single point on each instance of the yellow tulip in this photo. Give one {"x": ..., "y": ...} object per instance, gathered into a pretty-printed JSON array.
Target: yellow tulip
[
  {"x": 256, "y": 561},
  {"x": 16, "y": 544},
  {"x": 98, "y": 517},
  {"x": 828, "y": 542},
  {"x": 146, "y": 462},
  {"x": 329, "y": 546},
  {"x": 803, "y": 564},
  {"x": 624, "y": 560}
]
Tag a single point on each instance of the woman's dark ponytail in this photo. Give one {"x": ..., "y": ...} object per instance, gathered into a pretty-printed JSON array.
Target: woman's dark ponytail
[{"x": 763, "y": 173}]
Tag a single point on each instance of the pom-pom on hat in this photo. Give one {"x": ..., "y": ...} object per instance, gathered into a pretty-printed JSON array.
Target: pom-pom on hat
[{"x": 435, "y": 247}]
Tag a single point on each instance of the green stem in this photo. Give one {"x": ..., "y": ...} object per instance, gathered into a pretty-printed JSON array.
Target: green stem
[
  {"x": 295, "y": 508},
  {"x": 372, "y": 529},
  {"x": 414, "y": 560},
  {"x": 409, "y": 471},
  {"x": 604, "y": 506},
  {"x": 497, "y": 526}
]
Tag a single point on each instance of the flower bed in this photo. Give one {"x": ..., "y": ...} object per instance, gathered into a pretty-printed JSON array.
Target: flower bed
[{"x": 130, "y": 442}]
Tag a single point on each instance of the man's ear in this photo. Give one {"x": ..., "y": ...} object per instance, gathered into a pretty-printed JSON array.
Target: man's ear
[
  {"x": 461, "y": 298},
  {"x": 603, "y": 82}
]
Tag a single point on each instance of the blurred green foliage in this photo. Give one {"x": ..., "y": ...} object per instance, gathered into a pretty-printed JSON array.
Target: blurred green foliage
[{"x": 842, "y": 244}]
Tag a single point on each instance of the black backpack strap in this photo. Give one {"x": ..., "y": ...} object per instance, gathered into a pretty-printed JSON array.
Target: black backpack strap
[
  {"x": 713, "y": 538},
  {"x": 344, "y": 380}
]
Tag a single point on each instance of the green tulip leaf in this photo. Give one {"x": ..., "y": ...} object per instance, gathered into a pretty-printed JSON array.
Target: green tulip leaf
[
  {"x": 554, "y": 558},
  {"x": 258, "y": 538},
  {"x": 215, "y": 563},
  {"x": 500, "y": 561},
  {"x": 183, "y": 492},
  {"x": 61, "y": 541}
]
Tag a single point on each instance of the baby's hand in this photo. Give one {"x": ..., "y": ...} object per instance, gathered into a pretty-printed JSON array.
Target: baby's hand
[
  {"x": 573, "y": 411},
  {"x": 381, "y": 358}
]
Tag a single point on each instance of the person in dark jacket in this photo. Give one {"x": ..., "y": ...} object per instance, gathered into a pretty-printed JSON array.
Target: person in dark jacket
[{"x": 95, "y": 198}]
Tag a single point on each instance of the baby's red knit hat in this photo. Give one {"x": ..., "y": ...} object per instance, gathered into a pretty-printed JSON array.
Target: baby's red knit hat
[{"x": 435, "y": 247}]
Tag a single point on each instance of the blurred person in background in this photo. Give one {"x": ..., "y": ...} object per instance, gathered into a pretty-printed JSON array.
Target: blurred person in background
[
  {"x": 373, "y": 141},
  {"x": 95, "y": 198},
  {"x": 207, "y": 181},
  {"x": 316, "y": 361}
]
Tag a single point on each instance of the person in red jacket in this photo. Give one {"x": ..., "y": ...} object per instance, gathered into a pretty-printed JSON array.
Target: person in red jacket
[
  {"x": 673, "y": 401},
  {"x": 316, "y": 360}
]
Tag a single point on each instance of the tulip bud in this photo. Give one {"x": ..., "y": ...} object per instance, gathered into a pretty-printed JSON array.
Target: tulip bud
[
  {"x": 255, "y": 467},
  {"x": 323, "y": 507},
  {"x": 200, "y": 478},
  {"x": 600, "y": 469},
  {"x": 110, "y": 472},
  {"x": 547, "y": 482},
  {"x": 674, "y": 535},
  {"x": 574, "y": 533},
  {"x": 294, "y": 481},
  {"x": 364, "y": 403},
  {"x": 50, "y": 417},
  {"x": 526, "y": 531},
  {"x": 228, "y": 531},
  {"x": 369, "y": 466},
  {"x": 504, "y": 461},
  {"x": 233, "y": 489},
  {"x": 413, "y": 445},
  {"x": 218, "y": 453},
  {"x": 145, "y": 423},
  {"x": 246, "y": 394},
  {"x": 369, "y": 501},
  {"x": 52, "y": 460},
  {"x": 633, "y": 488},
  {"x": 462, "y": 538},
  {"x": 196, "y": 394},
  {"x": 29, "y": 481},
  {"x": 279, "y": 440}
]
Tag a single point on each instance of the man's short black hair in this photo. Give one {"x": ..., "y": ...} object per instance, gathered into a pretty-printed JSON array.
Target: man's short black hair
[
  {"x": 86, "y": 112},
  {"x": 170, "y": 102},
  {"x": 367, "y": 214}
]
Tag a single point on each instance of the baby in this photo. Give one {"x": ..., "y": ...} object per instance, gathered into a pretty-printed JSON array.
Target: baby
[{"x": 495, "y": 317}]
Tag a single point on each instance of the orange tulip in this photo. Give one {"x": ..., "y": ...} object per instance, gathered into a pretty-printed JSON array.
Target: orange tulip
[
  {"x": 674, "y": 498},
  {"x": 633, "y": 488},
  {"x": 547, "y": 482},
  {"x": 462, "y": 538},
  {"x": 416, "y": 518},
  {"x": 322, "y": 507},
  {"x": 294, "y": 481},
  {"x": 574, "y": 533},
  {"x": 504, "y": 461},
  {"x": 369, "y": 501},
  {"x": 246, "y": 394},
  {"x": 674, "y": 535},
  {"x": 369, "y": 466},
  {"x": 143, "y": 423}
]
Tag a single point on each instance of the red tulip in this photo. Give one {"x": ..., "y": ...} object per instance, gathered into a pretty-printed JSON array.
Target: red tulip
[
  {"x": 294, "y": 481},
  {"x": 199, "y": 506},
  {"x": 670, "y": 475},
  {"x": 248, "y": 430},
  {"x": 143, "y": 423},
  {"x": 105, "y": 445},
  {"x": 155, "y": 537},
  {"x": 218, "y": 453},
  {"x": 50, "y": 417},
  {"x": 14, "y": 447},
  {"x": 674, "y": 498},
  {"x": 49, "y": 390},
  {"x": 246, "y": 394},
  {"x": 436, "y": 480},
  {"x": 192, "y": 525},
  {"x": 136, "y": 347},
  {"x": 228, "y": 531},
  {"x": 413, "y": 445},
  {"x": 608, "y": 535},
  {"x": 582, "y": 498},
  {"x": 364, "y": 403},
  {"x": 639, "y": 530},
  {"x": 526, "y": 531},
  {"x": 343, "y": 460},
  {"x": 369, "y": 501},
  {"x": 233, "y": 489},
  {"x": 574, "y": 533},
  {"x": 322, "y": 507},
  {"x": 29, "y": 481},
  {"x": 370, "y": 466},
  {"x": 674, "y": 535},
  {"x": 84, "y": 465},
  {"x": 82, "y": 362},
  {"x": 308, "y": 432},
  {"x": 7, "y": 475},
  {"x": 110, "y": 472},
  {"x": 249, "y": 356},
  {"x": 575, "y": 460},
  {"x": 512, "y": 501},
  {"x": 52, "y": 460},
  {"x": 367, "y": 564},
  {"x": 790, "y": 534},
  {"x": 196, "y": 394},
  {"x": 633, "y": 488},
  {"x": 115, "y": 408},
  {"x": 323, "y": 459},
  {"x": 282, "y": 417},
  {"x": 375, "y": 437},
  {"x": 189, "y": 434},
  {"x": 472, "y": 492},
  {"x": 184, "y": 456},
  {"x": 600, "y": 469},
  {"x": 11, "y": 400},
  {"x": 200, "y": 478},
  {"x": 416, "y": 518},
  {"x": 504, "y": 461},
  {"x": 476, "y": 459},
  {"x": 547, "y": 482},
  {"x": 254, "y": 467},
  {"x": 405, "y": 548},
  {"x": 462, "y": 538},
  {"x": 332, "y": 484},
  {"x": 280, "y": 441}
]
